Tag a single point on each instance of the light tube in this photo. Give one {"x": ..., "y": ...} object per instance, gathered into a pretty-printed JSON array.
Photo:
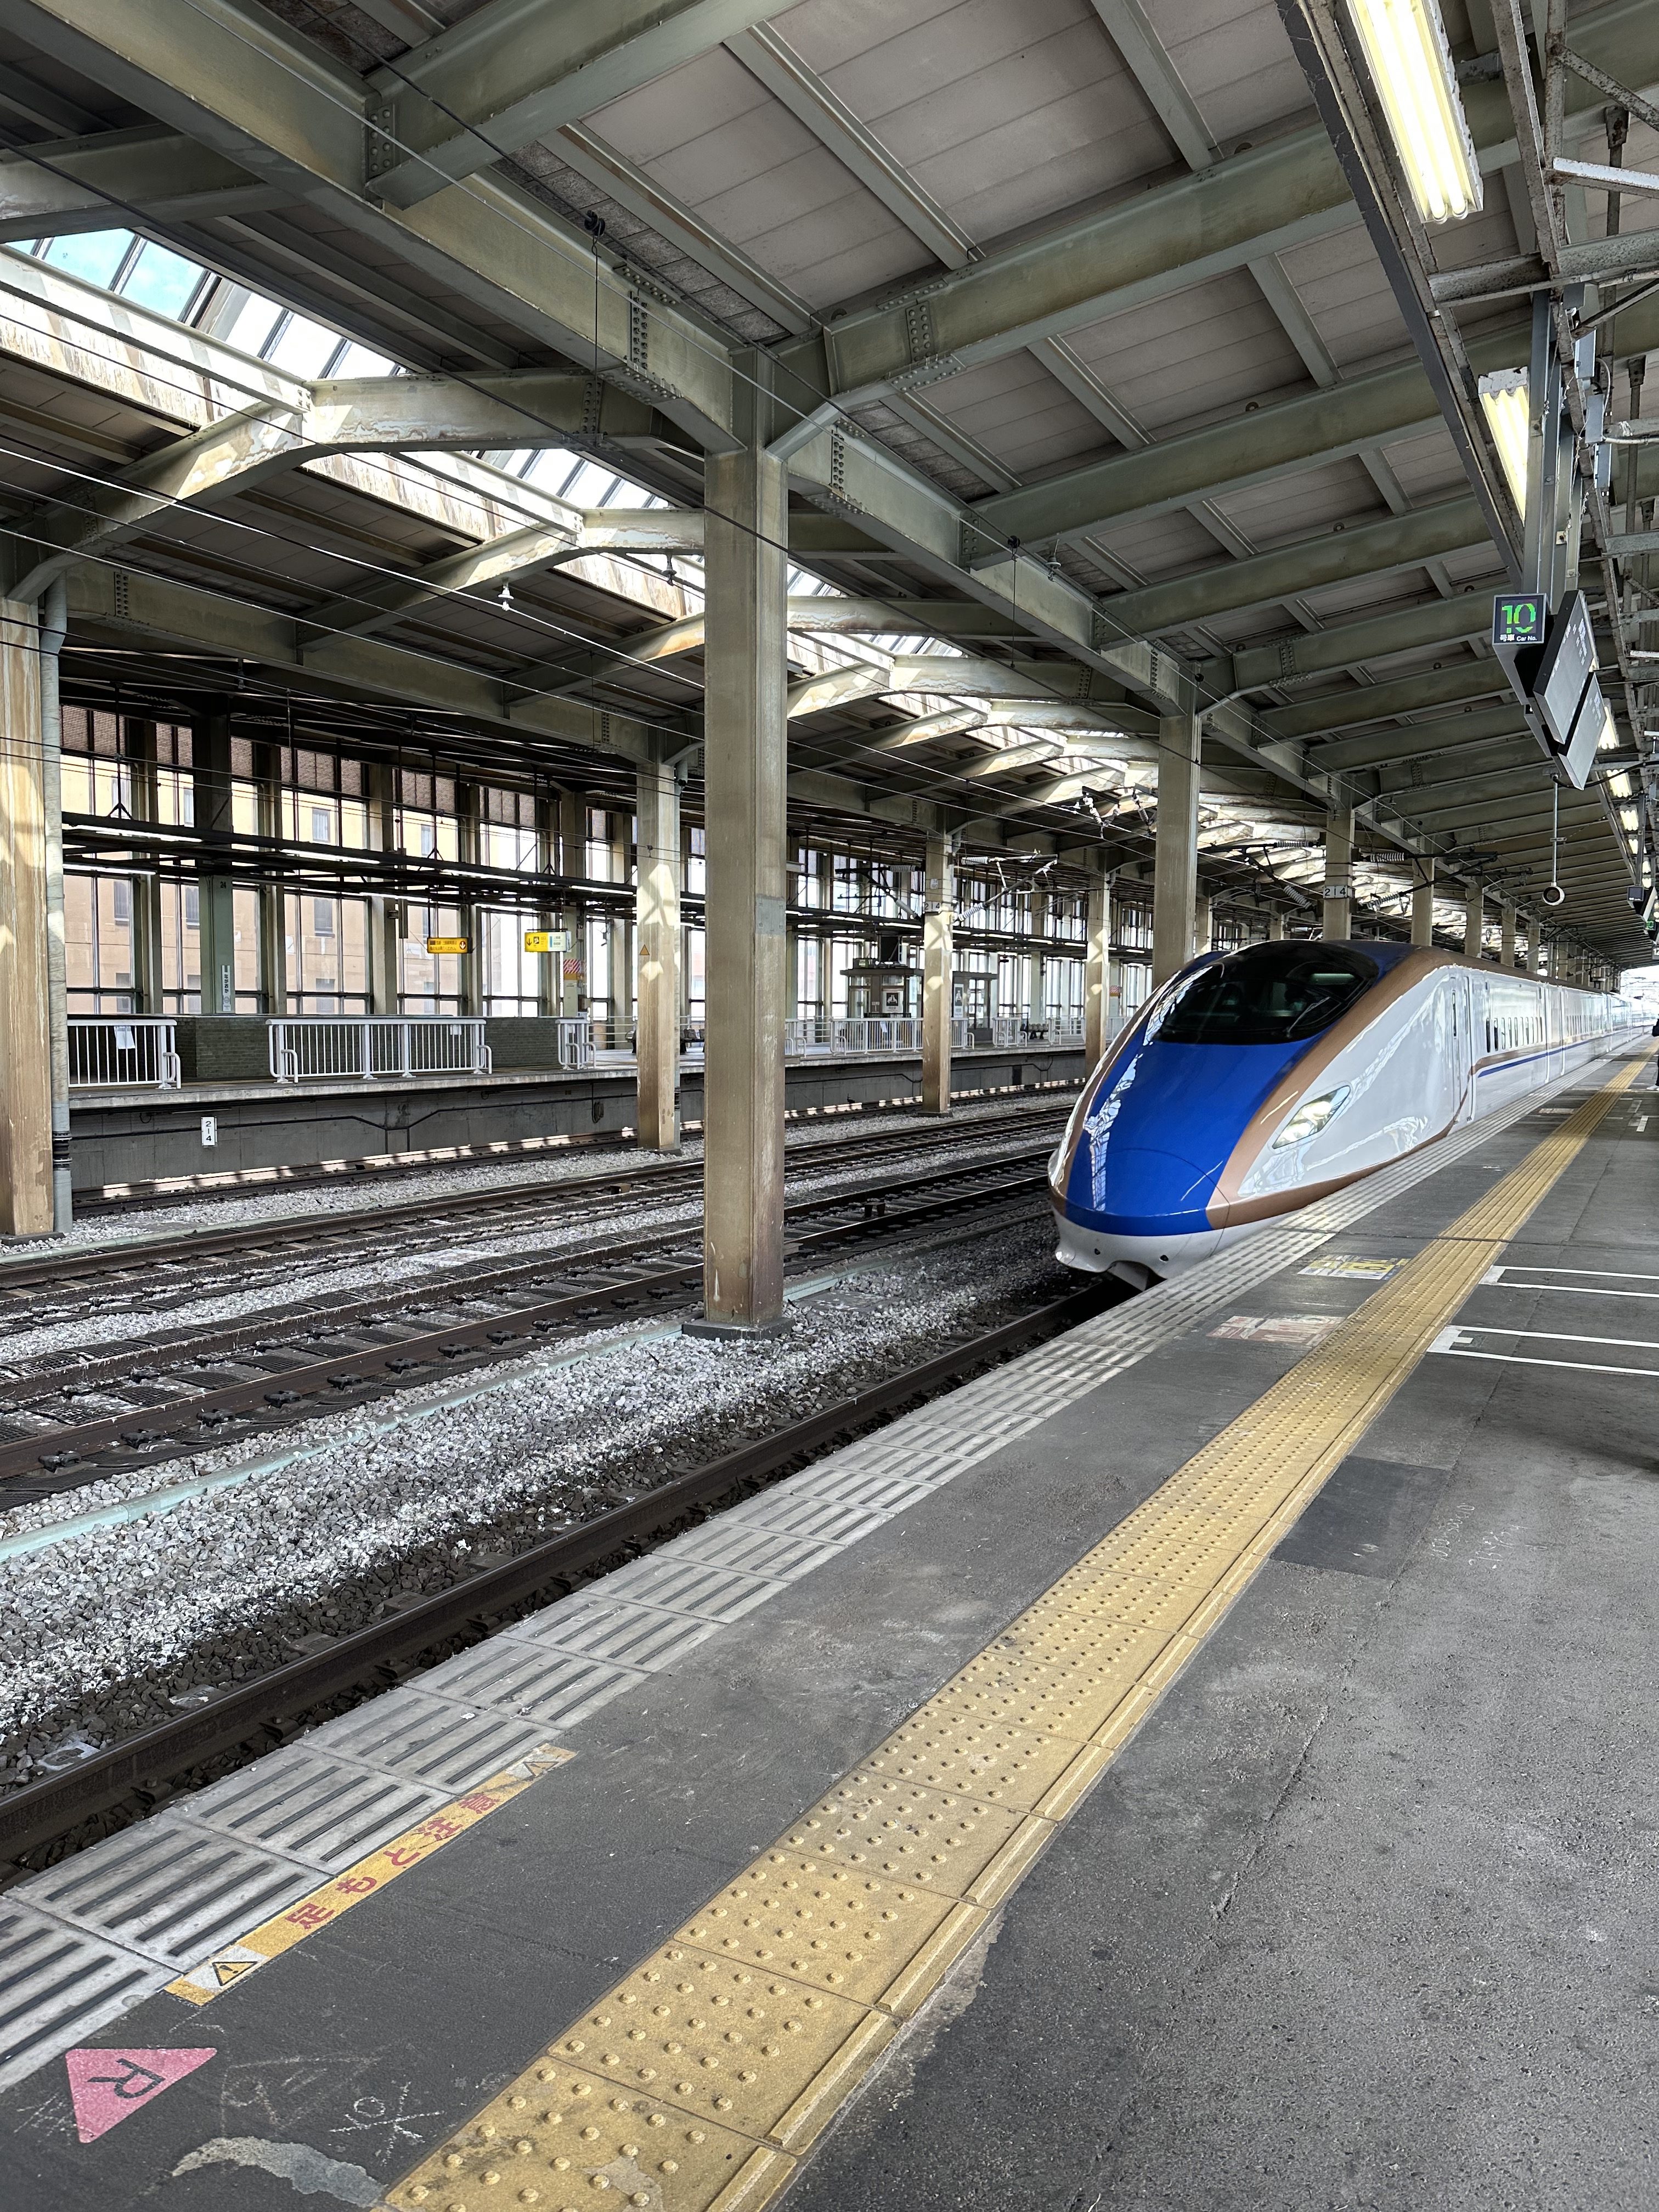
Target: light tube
[
  {"x": 1503, "y": 402},
  {"x": 1411, "y": 66}
]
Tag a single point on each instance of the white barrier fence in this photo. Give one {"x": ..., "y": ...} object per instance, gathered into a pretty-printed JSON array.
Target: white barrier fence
[
  {"x": 318, "y": 1045},
  {"x": 122, "y": 1052}
]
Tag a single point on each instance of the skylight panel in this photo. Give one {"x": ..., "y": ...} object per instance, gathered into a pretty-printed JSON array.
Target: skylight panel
[
  {"x": 303, "y": 347},
  {"x": 359, "y": 361},
  {"x": 255, "y": 321},
  {"x": 164, "y": 281},
  {"x": 94, "y": 256}
]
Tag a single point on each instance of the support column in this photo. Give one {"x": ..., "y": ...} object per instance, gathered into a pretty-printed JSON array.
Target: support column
[
  {"x": 1096, "y": 971},
  {"x": 1337, "y": 918},
  {"x": 937, "y": 961},
  {"x": 384, "y": 923},
  {"x": 468, "y": 809},
  {"x": 1276, "y": 927},
  {"x": 211, "y": 802},
  {"x": 657, "y": 1040},
  {"x": 573, "y": 865},
  {"x": 53, "y": 625},
  {"x": 1036, "y": 968},
  {"x": 1506, "y": 951},
  {"x": 1203, "y": 923},
  {"x": 1423, "y": 905},
  {"x": 1474, "y": 920},
  {"x": 1174, "y": 873},
  {"x": 25, "y": 1041},
  {"x": 273, "y": 910},
  {"x": 1530, "y": 951},
  {"x": 746, "y": 556},
  {"x": 147, "y": 986}
]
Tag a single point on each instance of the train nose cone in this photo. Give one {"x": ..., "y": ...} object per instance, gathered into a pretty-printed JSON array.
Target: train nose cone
[{"x": 1148, "y": 1183}]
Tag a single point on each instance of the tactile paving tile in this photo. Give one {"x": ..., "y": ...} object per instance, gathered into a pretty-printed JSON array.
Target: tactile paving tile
[
  {"x": 578, "y": 2139},
  {"x": 722, "y": 2041},
  {"x": 771, "y": 1553},
  {"x": 1006, "y": 1765},
  {"x": 310, "y": 1807},
  {"x": 168, "y": 1891},
  {"x": 918, "y": 1835},
  {"x": 629, "y": 1635},
  {"x": 427, "y": 1740},
  {"x": 839, "y": 1928},
  {"x": 818, "y": 1518},
  {"x": 57, "y": 1985},
  {"x": 531, "y": 1682},
  {"x": 683, "y": 1582}
]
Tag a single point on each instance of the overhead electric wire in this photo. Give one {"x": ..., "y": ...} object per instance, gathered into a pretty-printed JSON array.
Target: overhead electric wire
[{"x": 820, "y": 404}]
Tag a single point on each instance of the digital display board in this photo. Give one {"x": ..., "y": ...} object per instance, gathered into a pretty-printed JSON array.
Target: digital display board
[{"x": 1520, "y": 621}]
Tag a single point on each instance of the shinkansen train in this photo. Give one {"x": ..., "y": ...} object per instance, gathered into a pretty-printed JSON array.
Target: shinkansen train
[{"x": 1254, "y": 1082}]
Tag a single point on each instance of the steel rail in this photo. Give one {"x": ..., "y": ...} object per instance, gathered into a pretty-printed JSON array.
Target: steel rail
[
  {"x": 43, "y": 1812},
  {"x": 894, "y": 1203},
  {"x": 250, "y": 1238}
]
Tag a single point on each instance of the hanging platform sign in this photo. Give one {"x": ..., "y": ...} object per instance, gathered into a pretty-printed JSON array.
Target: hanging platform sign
[
  {"x": 439, "y": 945},
  {"x": 547, "y": 940}
]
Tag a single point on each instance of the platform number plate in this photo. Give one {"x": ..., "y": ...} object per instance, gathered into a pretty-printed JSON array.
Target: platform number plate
[{"x": 1520, "y": 621}]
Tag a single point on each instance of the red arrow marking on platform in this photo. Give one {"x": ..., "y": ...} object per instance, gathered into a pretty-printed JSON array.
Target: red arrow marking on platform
[{"x": 108, "y": 2085}]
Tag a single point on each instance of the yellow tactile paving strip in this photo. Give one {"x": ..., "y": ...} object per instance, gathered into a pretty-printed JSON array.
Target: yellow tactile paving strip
[{"x": 696, "y": 2085}]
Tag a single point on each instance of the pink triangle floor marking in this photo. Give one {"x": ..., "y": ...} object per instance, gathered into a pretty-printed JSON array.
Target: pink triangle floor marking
[{"x": 108, "y": 2085}]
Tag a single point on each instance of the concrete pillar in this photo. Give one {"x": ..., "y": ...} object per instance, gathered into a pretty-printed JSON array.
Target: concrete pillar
[
  {"x": 1474, "y": 920},
  {"x": 657, "y": 1042},
  {"x": 938, "y": 960},
  {"x": 146, "y": 889},
  {"x": 468, "y": 809},
  {"x": 1337, "y": 919},
  {"x": 746, "y": 556},
  {"x": 1507, "y": 952},
  {"x": 1036, "y": 965},
  {"x": 53, "y": 621},
  {"x": 1202, "y": 924},
  {"x": 1096, "y": 971},
  {"x": 210, "y": 802},
  {"x": 25, "y": 1041},
  {"x": 1175, "y": 874},
  {"x": 1534, "y": 947},
  {"x": 1423, "y": 905},
  {"x": 272, "y": 905},
  {"x": 385, "y": 925},
  {"x": 1276, "y": 926}
]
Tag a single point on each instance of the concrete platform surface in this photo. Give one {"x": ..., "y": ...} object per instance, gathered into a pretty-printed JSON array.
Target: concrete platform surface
[{"x": 1352, "y": 1908}]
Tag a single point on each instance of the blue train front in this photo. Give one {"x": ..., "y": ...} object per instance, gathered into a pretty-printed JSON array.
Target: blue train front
[{"x": 1255, "y": 1082}]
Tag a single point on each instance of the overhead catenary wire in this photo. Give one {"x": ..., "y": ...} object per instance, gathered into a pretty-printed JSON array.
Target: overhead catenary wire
[{"x": 149, "y": 227}]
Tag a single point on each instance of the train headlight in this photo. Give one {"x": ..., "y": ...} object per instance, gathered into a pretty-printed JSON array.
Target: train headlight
[{"x": 1310, "y": 1119}]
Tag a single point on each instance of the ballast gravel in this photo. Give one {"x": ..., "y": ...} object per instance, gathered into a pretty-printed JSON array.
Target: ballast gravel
[
  {"x": 308, "y": 1284},
  {"x": 103, "y": 1631}
]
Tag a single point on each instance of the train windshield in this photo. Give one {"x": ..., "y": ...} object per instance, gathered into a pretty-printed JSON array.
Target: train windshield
[{"x": 1268, "y": 994}]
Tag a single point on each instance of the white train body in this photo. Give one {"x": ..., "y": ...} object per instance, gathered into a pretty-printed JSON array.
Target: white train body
[{"x": 1255, "y": 1082}]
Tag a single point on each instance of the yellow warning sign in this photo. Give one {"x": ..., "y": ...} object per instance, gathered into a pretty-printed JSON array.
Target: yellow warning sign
[
  {"x": 234, "y": 1962},
  {"x": 436, "y": 946}
]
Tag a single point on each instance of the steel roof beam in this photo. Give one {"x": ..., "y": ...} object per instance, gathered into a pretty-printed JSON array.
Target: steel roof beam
[
  {"x": 1446, "y": 620},
  {"x": 1476, "y": 726},
  {"x": 1409, "y": 694},
  {"x": 70, "y": 184},
  {"x": 516, "y": 71},
  {"x": 1282, "y": 193}
]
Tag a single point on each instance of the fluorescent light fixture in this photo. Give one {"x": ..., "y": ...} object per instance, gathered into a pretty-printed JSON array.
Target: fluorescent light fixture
[
  {"x": 1621, "y": 786},
  {"x": 1629, "y": 816},
  {"x": 1411, "y": 66},
  {"x": 1503, "y": 393}
]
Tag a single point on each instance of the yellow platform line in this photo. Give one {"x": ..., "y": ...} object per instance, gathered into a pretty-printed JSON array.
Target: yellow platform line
[{"x": 696, "y": 2083}]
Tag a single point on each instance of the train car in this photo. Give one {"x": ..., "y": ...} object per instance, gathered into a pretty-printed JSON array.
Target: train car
[{"x": 1257, "y": 1081}]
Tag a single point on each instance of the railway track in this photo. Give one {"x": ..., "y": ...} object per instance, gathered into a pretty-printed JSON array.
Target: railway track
[
  {"x": 154, "y": 1272},
  {"x": 132, "y": 1775},
  {"x": 64, "y": 1425}
]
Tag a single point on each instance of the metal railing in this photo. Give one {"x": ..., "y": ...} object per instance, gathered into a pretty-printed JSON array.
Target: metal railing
[
  {"x": 122, "y": 1052},
  {"x": 316, "y": 1046},
  {"x": 575, "y": 1042},
  {"x": 805, "y": 1034}
]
